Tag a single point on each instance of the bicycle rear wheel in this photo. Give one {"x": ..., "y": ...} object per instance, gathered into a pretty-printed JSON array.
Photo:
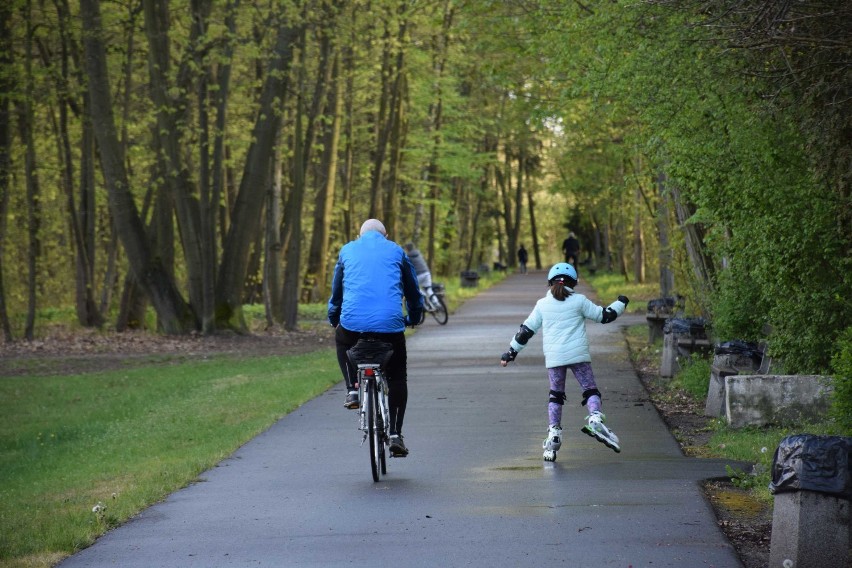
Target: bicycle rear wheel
[
  {"x": 382, "y": 430},
  {"x": 440, "y": 312},
  {"x": 372, "y": 427}
]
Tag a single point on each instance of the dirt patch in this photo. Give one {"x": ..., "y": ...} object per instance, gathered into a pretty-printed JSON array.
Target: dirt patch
[
  {"x": 746, "y": 521},
  {"x": 83, "y": 351}
]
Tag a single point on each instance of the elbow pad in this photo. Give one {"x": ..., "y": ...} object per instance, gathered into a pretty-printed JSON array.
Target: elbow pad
[
  {"x": 609, "y": 315},
  {"x": 524, "y": 334}
]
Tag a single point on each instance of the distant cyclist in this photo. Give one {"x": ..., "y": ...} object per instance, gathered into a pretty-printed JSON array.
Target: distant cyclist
[
  {"x": 371, "y": 278},
  {"x": 424, "y": 275},
  {"x": 562, "y": 315}
]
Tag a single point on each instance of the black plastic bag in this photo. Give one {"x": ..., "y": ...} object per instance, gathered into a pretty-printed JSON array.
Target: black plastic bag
[
  {"x": 740, "y": 347},
  {"x": 693, "y": 327},
  {"x": 661, "y": 305},
  {"x": 813, "y": 463}
]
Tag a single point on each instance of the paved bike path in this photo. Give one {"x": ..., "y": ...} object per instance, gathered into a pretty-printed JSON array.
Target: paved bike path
[{"x": 473, "y": 492}]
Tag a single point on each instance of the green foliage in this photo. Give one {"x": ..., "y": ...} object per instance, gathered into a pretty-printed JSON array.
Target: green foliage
[
  {"x": 842, "y": 372},
  {"x": 125, "y": 439},
  {"x": 694, "y": 376},
  {"x": 608, "y": 286}
]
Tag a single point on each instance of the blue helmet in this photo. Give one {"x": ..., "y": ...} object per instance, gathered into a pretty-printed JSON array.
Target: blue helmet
[{"x": 564, "y": 270}]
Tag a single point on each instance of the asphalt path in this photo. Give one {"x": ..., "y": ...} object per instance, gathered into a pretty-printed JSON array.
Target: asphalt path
[{"x": 473, "y": 492}]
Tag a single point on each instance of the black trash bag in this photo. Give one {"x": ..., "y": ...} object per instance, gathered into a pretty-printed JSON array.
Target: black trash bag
[
  {"x": 661, "y": 305},
  {"x": 813, "y": 463},
  {"x": 739, "y": 347},
  {"x": 695, "y": 328}
]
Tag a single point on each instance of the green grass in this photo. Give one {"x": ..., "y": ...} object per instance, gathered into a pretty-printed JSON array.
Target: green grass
[
  {"x": 694, "y": 376},
  {"x": 126, "y": 439},
  {"x": 121, "y": 440},
  {"x": 608, "y": 286}
]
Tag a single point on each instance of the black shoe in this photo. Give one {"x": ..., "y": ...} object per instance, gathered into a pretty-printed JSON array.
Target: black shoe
[
  {"x": 397, "y": 446},
  {"x": 352, "y": 400}
]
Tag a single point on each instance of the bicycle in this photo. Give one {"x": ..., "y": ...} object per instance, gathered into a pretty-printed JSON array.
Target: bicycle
[
  {"x": 435, "y": 305},
  {"x": 370, "y": 357}
]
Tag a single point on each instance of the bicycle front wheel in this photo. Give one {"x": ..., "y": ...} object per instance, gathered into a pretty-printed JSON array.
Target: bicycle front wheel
[
  {"x": 440, "y": 312},
  {"x": 372, "y": 426}
]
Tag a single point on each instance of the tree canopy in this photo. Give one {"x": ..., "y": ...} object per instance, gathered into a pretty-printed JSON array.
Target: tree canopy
[{"x": 197, "y": 155}]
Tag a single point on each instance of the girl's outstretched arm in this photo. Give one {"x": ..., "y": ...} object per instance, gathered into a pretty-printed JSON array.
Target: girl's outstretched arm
[{"x": 614, "y": 310}]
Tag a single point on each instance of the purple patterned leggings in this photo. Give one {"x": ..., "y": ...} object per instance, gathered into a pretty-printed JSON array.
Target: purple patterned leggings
[{"x": 584, "y": 375}]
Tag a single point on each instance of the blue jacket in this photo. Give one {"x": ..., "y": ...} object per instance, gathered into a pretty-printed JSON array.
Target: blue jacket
[{"x": 371, "y": 278}]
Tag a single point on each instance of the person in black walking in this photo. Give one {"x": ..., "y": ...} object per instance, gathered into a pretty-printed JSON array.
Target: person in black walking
[
  {"x": 571, "y": 249},
  {"x": 522, "y": 259}
]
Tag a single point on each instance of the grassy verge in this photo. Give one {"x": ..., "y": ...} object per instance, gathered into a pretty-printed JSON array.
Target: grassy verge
[{"x": 81, "y": 454}]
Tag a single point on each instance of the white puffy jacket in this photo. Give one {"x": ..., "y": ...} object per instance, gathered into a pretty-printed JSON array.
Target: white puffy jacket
[{"x": 563, "y": 325}]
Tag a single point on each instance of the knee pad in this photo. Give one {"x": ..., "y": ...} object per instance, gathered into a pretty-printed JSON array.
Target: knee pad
[
  {"x": 558, "y": 397},
  {"x": 589, "y": 393}
]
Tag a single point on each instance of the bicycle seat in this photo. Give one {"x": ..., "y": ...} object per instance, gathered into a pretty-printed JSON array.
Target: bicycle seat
[{"x": 370, "y": 351}]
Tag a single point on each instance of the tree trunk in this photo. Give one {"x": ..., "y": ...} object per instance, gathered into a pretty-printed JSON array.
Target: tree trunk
[
  {"x": 534, "y": 230},
  {"x": 638, "y": 240},
  {"x": 25, "y": 126},
  {"x": 168, "y": 134},
  {"x": 703, "y": 269},
  {"x": 6, "y": 87},
  {"x": 175, "y": 315},
  {"x": 253, "y": 187},
  {"x": 318, "y": 256},
  {"x": 666, "y": 272},
  {"x": 302, "y": 160}
]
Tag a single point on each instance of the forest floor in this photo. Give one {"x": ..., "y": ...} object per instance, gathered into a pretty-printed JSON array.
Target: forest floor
[{"x": 746, "y": 522}]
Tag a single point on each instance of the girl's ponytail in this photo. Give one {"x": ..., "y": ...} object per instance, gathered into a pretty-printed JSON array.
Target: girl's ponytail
[{"x": 559, "y": 290}]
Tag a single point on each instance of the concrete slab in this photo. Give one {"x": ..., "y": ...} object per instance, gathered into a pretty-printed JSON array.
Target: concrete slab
[{"x": 473, "y": 492}]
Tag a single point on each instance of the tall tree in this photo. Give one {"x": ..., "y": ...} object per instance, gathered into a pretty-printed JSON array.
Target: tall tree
[
  {"x": 6, "y": 89},
  {"x": 248, "y": 206},
  {"x": 173, "y": 311}
]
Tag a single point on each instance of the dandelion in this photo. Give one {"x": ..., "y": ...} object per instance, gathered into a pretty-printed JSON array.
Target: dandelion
[
  {"x": 763, "y": 450},
  {"x": 99, "y": 509},
  {"x": 787, "y": 563}
]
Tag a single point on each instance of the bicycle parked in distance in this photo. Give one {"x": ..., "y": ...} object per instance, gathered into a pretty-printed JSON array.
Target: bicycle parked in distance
[
  {"x": 370, "y": 357},
  {"x": 435, "y": 305}
]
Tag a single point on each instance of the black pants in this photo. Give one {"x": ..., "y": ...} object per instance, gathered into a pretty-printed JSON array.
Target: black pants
[{"x": 396, "y": 372}]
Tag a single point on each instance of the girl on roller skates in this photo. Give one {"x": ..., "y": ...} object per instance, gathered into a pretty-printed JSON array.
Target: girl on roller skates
[{"x": 561, "y": 316}]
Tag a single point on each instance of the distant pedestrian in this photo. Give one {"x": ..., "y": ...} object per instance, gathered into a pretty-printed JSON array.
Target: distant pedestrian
[
  {"x": 571, "y": 249},
  {"x": 562, "y": 315},
  {"x": 522, "y": 259}
]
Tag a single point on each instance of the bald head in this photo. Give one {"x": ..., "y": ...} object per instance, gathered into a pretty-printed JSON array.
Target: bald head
[{"x": 373, "y": 225}]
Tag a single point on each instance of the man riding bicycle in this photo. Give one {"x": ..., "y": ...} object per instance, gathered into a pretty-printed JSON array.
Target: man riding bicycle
[{"x": 372, "y": 276}]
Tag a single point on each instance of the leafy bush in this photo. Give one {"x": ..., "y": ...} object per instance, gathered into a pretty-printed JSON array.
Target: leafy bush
[{"x": 842, "y": 367}]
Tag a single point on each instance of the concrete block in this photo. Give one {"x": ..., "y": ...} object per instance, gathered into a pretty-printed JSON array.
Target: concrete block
[
  {"x": 724, "y": 365},
  {"x": 715, "y": 403},
  {"x": 669, "y": 365},
  {"x": 656, "y": 323},
  {"x": 810, "y": 530},
  {"x": 760, "y": 400}
]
